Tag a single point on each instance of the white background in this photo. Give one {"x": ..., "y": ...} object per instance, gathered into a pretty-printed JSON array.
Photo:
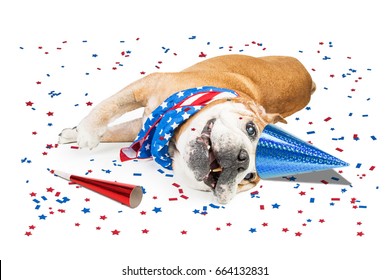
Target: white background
[{"x": 57, "y": 249}]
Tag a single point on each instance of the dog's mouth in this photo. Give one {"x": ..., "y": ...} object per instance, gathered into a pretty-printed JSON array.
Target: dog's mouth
[{"x": 211, "y": 179}]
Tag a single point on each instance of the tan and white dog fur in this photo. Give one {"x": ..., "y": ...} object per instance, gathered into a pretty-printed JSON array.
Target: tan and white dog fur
[{"x": 216, "y": 147}]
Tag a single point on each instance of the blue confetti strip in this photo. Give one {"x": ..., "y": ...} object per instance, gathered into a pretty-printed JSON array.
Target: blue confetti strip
[
  {"x": 25, "y": 160},
  {"x": 350, "y": 73},
  {"x": 54, "y": 94}
]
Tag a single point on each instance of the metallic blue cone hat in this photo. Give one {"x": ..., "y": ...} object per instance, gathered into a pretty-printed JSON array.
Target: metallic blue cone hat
[{"x": 279, "y": 154}]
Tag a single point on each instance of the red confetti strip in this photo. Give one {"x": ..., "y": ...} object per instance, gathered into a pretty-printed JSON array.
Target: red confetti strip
[{"x": 180, "y": 190}]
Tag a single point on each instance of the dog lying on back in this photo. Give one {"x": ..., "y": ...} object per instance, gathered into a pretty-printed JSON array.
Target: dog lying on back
[{"x": 215, "y": 147}]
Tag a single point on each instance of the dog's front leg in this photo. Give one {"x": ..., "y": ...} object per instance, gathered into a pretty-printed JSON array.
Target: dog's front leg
[
  {"x": 141, "y": 93},
  {"x": 92, "y": 128}
]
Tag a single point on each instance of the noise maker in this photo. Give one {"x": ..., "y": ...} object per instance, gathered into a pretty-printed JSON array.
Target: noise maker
[
  {"x": 127, "y": 194},
  {"x": 279, "y": 154}
]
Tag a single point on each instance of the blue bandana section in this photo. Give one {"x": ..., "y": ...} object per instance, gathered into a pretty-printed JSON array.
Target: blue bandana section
[{"x": 153, "y": 139}]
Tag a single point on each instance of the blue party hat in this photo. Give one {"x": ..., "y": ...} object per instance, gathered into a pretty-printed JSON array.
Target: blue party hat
[{"x": 279, "y": 154}]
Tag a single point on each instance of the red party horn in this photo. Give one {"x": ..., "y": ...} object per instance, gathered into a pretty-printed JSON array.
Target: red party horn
[{"x": 130, "y": 195}]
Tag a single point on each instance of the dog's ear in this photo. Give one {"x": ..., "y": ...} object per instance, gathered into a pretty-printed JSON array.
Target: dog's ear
[
  {"x": 271, "y": 117},
  {"x": 274, "y": 118},
  {"x": 261, "y": 113}
]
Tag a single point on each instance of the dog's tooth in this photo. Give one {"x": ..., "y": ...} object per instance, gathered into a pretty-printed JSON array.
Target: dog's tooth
[{"x": 218, "y": 169}]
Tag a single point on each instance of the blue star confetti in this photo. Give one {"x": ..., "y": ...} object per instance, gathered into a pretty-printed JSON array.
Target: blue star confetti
[{"x": 338, "y": 76}]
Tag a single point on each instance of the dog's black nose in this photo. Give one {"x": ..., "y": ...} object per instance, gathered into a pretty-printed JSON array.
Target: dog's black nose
[
  {"x": 243, "y": 155},
  {"x": 242, "y": 160}
]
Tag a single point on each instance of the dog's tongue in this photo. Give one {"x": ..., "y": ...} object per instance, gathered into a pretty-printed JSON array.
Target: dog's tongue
[{"x": 226, "y": 187}]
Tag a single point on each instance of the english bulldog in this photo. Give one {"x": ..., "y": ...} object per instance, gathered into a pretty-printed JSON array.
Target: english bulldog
[{"x": 215, "y": 147}]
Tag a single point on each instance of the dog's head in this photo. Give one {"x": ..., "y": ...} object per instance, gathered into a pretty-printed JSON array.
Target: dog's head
[{"x": 216, "y": 147}]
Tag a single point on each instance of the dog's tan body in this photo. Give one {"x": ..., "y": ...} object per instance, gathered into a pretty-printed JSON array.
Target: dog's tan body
[{"x": 280, "y": 85}]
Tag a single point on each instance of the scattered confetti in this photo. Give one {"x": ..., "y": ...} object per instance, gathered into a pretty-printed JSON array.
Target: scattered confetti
[{"x": 165, "y": 198}]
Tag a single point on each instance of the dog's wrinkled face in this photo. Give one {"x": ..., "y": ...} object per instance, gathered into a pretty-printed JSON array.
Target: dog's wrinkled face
[{"x": 216, "y": 148}]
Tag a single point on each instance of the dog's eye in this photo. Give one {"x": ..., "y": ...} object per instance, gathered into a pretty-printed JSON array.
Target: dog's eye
[
  {"x": 251, "y": 129},
  {"x": 250, "y": 176}
]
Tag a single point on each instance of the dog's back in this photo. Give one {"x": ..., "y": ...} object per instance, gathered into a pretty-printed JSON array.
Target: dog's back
[{"x": 281, "y": 84}]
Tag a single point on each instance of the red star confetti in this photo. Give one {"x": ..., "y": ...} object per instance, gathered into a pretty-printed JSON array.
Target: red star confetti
[
  {"x": 115, "y": 232},
  {"x": 343, "y": 88}
]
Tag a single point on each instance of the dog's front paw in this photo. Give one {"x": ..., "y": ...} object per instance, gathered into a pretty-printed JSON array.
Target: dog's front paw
[
  {"x": 88, "y": 136},
  {"x": 68, "y": 135}
]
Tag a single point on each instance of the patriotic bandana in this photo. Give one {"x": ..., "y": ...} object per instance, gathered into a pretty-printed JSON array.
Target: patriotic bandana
[{"x": 153, "y": 139}]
